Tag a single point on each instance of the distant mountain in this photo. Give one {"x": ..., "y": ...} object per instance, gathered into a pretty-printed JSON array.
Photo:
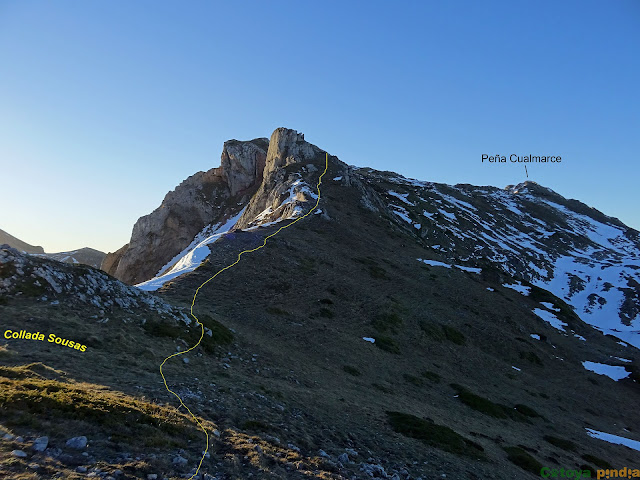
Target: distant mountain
[
  {"x": 86, "y": 256},
  {"x": 16, "y": 243}
]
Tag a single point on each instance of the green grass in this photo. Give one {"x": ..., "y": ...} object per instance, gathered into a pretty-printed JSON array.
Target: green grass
[
  {"x": 432, "y": 330},
  {"x": 375, "y": 270},
  {"x": 31, "y": 287},
  {"x": 387, "y": 322},
  {"x": 277, "y": 311},
  {"x": 480, "y": 404},
  {"x": 527, "y": 411},
  {"x": 220, "y": 335},
  {"x": 519, "y": 457},
  {"x": 352, "y": 370},
  {"x": 531, "y": 357},
  {"x": 418, "y": 382},
  {"x": 439, "y": 333},
  {"x": 28, "y": 398},
  {"x": 387, "y": 344},
  {"x": 326, "y": 313},
  {"x": 432, "y": 434},
  {"x": 434, "y": 377},
  {"x": 520, "y": 412},
  {"x": 453, "y": 335},
  {"x": 308, "y": 265},
  {"x": 562, "y": 443},
  {"x": 382, "y": 388},
  {"x": 598, "y": 462}
]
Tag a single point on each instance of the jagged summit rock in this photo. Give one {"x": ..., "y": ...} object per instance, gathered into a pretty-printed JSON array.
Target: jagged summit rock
[{"x": 286, "y": 147}]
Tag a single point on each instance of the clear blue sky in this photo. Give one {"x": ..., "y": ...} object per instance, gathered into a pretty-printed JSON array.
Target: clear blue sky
[{"x": 105, "y": 106}]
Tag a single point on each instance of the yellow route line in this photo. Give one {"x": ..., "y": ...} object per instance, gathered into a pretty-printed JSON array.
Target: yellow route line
[{"x": 264, "y": 244}]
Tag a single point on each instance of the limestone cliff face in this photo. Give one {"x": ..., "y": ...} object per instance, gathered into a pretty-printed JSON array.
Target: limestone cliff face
[
  {"x": 286, "y": 148},
  {"x": 243, "y": 163},
  {"x": 110, "y": 262},
  {"x": 200, "y": 200}
]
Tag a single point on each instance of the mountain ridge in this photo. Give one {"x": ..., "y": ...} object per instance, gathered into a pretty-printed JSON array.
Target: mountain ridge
[
  {"x": 406, "y": 329},
  {"x": 527, "y": 229},
  {"x": 86, "y": 255},
  {"x": 7, "y": 238}
]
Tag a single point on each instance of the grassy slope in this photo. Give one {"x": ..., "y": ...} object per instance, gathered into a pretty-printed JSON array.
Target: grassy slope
[
  {"x": 299, "y": 310},
  {"x": 304, "y": 304}
]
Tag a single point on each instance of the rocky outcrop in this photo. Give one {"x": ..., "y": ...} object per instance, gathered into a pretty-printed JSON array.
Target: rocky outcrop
[
  {"x": 85, "y": 256},
  {"x": 198, "y": 201},
  {"x": 243, "y": 163},
  {"x": 286, "y": 147},
  {"x": 112, "y": 259}
]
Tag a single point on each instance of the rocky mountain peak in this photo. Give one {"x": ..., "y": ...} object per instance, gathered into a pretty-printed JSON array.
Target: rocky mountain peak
[
  {"x": 287, "y": 147},
  {"x": 529, "y": 186}
]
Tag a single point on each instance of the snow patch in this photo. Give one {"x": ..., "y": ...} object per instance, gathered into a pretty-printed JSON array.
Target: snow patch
[
  {"x": 193, "y": 256},
  {"x": 402, "y": 197},
  {"x": 434, "y": 263},
  {"x": 622, "y": 359},
  {"x": 550, "y": 318},
  {"x": 611, "y": 371},
  {"x": 518, "y": 287},
  {"x": 550, "y": 306},
  {"x": 615, "y": 439}
]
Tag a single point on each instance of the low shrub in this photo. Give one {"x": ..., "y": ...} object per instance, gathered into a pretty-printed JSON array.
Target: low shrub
[{"x": 432, "y": 434}]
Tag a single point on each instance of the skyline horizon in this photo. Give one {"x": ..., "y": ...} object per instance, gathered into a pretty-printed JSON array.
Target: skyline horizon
[
  {"x": 524, "y": 178},
  {"x": 104, "y": 110}
]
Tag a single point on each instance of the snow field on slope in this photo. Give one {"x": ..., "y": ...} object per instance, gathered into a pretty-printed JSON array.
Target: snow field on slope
[
  {"x": 192, "y": 256},
  {"x": 615, "y": 439}
]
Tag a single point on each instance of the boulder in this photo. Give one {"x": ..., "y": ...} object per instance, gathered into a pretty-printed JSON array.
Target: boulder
[
  {"x": 77, "y": 443},
  {"x": 40, "y": 444}
]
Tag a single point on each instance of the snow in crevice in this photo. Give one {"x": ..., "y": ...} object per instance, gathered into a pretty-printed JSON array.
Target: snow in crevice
[
  {"x": 435, "y": 263},
  {"x": 402, "y": 197}
]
